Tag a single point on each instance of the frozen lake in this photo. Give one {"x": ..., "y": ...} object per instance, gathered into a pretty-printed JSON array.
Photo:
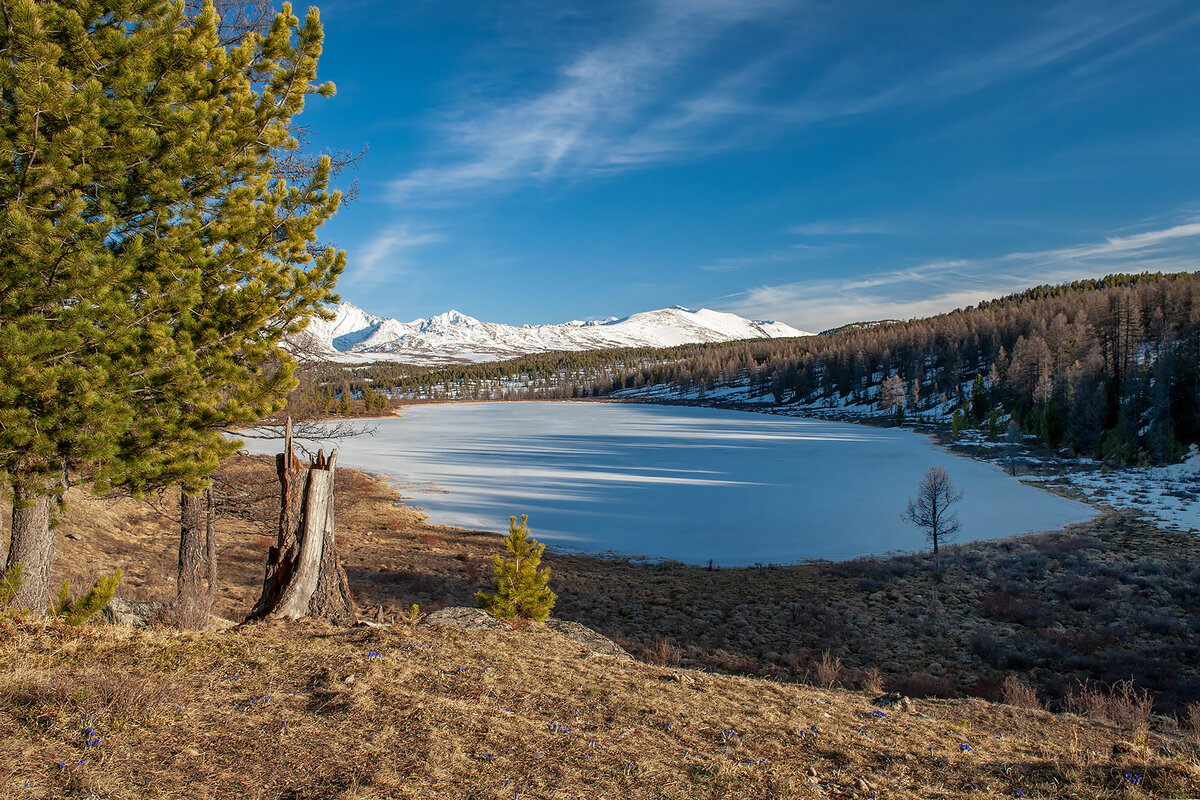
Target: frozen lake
[{"x": 690, "y": 484}]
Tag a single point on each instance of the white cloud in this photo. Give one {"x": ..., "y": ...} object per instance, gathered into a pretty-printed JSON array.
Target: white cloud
[
  {"x": 668, "y": 88},
  {"x": 944, "y": 285},
  {"x": 842, "y": 227},
  {"x": 386, "y": 255},
  {"x": 594, "y": 117}
]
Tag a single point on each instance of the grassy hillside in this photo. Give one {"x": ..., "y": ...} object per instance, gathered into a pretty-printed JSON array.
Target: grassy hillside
[{"x": 304, "y": 711}]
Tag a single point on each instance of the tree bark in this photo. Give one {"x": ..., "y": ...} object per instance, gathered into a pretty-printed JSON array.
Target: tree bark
[
  {"x": 32, "y": 547},
  {"x": 197, "y": 582},
  {"x": 303, "y": 576}
]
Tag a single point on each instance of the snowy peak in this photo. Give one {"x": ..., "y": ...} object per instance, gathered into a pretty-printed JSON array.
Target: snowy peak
[{"x": 353, "y": 335}]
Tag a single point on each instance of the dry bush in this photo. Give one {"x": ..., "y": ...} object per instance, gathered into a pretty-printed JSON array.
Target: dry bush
[
  {"x": 1191, "y": 722},
  {"x": 430, "y": 539},
  {"x": 1020, "y": 695},
  {"x": 872, "y": 680},
  {"x": 796, "y": 661},
  {"x": 1087, "y": 700},
  {"x": 828, "y": 670},
  {"x": 664, "y": 654},
  {"x": 1123, "y": 706},
  {"x": 1129, "y": 707}
]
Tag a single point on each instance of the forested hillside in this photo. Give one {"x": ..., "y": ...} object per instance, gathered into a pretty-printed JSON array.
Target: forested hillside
[{"x": 1108, "y": 368}]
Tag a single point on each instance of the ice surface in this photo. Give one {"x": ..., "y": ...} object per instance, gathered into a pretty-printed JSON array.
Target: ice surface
[{"x": 691, "y": 484}]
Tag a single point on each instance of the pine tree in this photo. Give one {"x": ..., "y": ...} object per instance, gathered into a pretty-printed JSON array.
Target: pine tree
[
  {"x": 522, "y": 590},
  {"x": 151, "y": 260}
]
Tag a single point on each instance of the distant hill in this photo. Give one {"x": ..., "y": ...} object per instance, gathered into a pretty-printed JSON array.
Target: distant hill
[
  {"x": 356, "y": 336},
  {"x": 858, "y": 326}
]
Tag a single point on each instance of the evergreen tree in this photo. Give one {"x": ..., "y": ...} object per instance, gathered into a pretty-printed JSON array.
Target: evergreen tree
[
  {"x": 980, "y": 406},
  {"x": 150, "y": 258},
  {"x": 522, "y": 590}
]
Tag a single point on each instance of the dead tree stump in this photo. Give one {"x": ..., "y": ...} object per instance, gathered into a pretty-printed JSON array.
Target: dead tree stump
[{"x": 304, "y": 577}]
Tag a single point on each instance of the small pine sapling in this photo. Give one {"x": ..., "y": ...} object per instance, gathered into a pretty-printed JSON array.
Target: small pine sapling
[
  {"x": 9, "y": 584},
  {"x": 81, "y": 610},
  {"x": 522, "y": 590}
]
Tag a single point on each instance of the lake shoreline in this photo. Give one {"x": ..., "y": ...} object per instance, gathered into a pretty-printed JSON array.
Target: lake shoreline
[{"x": 672, "y": 483}]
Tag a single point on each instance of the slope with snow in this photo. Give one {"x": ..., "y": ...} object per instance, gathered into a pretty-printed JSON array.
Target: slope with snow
[{"x": 354, "y": 335}]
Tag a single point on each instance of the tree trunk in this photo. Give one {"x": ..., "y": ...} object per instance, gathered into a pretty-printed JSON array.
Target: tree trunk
[
  {"x": 5, "y": 543},
  {"x": 303, "y": 576},
  {"x": 32, "y": 547},
  {"x": 197, "y": 584}
]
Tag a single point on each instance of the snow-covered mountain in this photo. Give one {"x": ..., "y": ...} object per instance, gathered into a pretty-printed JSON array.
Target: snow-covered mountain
[{"x": 353, "y": 335}]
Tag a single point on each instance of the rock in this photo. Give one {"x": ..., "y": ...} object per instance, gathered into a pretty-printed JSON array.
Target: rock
[
  {"x": 681, "y": 677},
  {"x": 587, "y": 637},
  {"x": 131, "y": 613},
  {"x": 893, "y": 700},
  {"x": 74, "y": 537},
  {"x": 467, "y": 619}
]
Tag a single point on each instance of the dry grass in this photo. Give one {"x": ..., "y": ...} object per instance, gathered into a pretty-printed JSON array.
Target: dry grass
[
  {"x": 828, "y": 670},
  {"x": 1103, "y": 601},
  {"x": 304, "y": 711},
  {"x": 1020, "y": 695},
  {"x": 1123, "y": 705},
  {"x": 267, "y": 711}
]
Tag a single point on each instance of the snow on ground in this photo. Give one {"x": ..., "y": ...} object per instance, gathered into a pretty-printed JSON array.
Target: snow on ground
[
  {"x": 685, "y": 483},
  {"x": 1170, "y": 493}
]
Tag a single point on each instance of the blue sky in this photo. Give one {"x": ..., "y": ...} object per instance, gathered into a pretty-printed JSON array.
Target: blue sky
[{"x": 812, "y": 162}]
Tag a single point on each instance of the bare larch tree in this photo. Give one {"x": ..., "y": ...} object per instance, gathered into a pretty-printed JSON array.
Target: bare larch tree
[{"x": 930, "y": 510}]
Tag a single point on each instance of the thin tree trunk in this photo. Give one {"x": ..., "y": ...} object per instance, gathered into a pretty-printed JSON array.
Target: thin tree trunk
[
  {"x": 32, "y": 547},
  {"x": 197, "y": 560},
  {"x": 210, "y": 542},
  {"x": 5, "y": 542}
]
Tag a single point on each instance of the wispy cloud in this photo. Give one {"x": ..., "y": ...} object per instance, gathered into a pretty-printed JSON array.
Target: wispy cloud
[
  {"x": 594, "y": 116},
  {"x": 386, "y": 255},
  {"x": 843, "y": 227},
  {"x": 940, "y": 286},
  {"x": 668, "y": 86}
]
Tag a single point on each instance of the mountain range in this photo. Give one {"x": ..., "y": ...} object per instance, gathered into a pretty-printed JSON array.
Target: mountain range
[{"x": 355, "y": 336}]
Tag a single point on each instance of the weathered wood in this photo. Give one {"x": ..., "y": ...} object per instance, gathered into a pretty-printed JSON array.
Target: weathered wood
[
  {"x": 296, "y": 594},
  {"x": 32, "y": 547},
  {"x": 278, "y": 573},
  {"x": 303, "y": 575},
  {"x": 331, "y": 599}
]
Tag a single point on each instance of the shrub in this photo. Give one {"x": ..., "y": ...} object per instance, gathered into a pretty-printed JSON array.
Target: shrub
[
  {"x": 828, "y": 669},
  {"x": 1130, "y": 708},
  {"x": 872, "y": 680},
  {"x": 1191, "y": 722},
  {"x": 665, "y": 654},
  {"x": 1123, "y": 706},
  {"x": 522, "y": 590},
  {"x": 1020, "y": 695}
]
